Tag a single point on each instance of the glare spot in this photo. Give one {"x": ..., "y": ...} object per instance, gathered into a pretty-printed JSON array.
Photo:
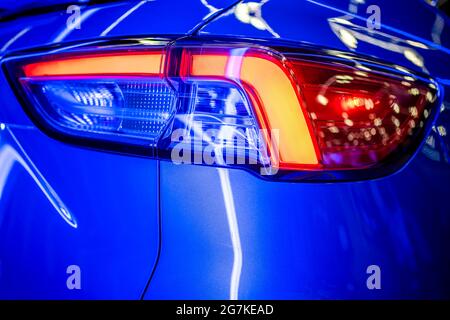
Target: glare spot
[
  {"x": 65, "y": 213},
  {"x": 361, "y": 67},
  {"x": 258, "y": 24},
  {"x": 348, "y": 39},
  {"x": 361, "y": 73},
  {"x": 343, "y": 21},
  {"x": 417, "y": 44},
  {"x": 414, "y": 91},
  {"x": 333, "y": 129},
  {"x": 406, "y": 83},
  {"x": 413, "y": 57},
  {"x": 368, "y": 104},
  {"x": 413, "y": 111},
  {"x": 165, "y": 115},
  {"x": 401, "y": 69},
  {"x": 396, "y": 107},
  {"x": 242, "y": 12},
  {"x": 348, "y": 122},
  {"x": 322, "y": 100},
  {"x": 395, "y": 121},
  {"x": 344, "y": 77},
  {"x": 343, "y": 56},
  {"x": 442, "y": 131}
]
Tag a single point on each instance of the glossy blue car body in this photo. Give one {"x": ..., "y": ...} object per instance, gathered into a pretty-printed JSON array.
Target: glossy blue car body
[{"x": 145, "y": 228}]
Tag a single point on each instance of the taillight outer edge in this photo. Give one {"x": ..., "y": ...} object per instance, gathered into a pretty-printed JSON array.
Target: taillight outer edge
[{"x": 393, "y": 163}]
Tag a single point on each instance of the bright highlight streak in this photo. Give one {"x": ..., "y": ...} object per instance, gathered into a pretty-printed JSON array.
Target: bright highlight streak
[
  {"x": 14, "y": 39},
  {"x": 9, "y": 155},
  {"x": 122, "y": 17},
  {"x": 234, "y": 233}
]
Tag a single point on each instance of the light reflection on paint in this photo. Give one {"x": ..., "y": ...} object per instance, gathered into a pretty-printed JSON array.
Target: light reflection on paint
[
  {"x": 351, "y": 34},
  {"x": 123, "y": 17},
  {"x": 248, "y": 13},
  {"x": 230, "y": 211},
  {"x": 12, "y": 153},
  {"x": 227, "y": 193},
  {"x": 70, "y": 27},
  {"x": 10, "y": 42}
]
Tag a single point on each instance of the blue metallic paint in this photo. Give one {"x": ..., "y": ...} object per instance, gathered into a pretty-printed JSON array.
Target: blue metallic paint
[
  {"x": 296, "y": 240},
  {"x": 306, "y": 240},
  {"x": 116, "y": 235}
]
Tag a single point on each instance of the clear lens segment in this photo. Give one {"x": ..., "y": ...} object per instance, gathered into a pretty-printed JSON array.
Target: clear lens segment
[{"x": 125, "y": 108}]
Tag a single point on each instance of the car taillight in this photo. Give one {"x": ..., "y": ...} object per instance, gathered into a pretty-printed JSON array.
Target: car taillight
[{"x": 281, "y": 112}]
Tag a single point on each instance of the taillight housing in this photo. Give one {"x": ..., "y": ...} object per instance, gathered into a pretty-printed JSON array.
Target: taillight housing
[{"x": 282, "y": 112}]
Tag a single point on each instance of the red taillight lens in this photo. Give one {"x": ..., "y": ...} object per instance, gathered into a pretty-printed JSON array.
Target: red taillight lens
[
  {"x": 148, "y": 62},
  {"x": 287, "y": 111},
  {"x": 360, "y": 117}
]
